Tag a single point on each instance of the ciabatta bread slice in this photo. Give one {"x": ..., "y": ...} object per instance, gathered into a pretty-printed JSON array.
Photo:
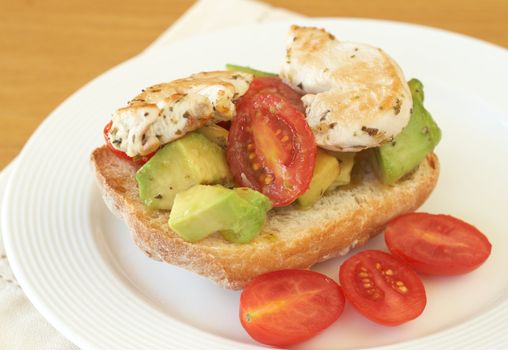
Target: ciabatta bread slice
[{"x": 291, "y": 238}]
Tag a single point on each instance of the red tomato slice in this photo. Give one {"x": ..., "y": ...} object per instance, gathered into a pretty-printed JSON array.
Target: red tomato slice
[
  {"x": 437, "y": 244},
  {"x": 271, "y": 148},
  {"x": 285, "y": 307},
  {"x": 274, "y": 85},
  {"x": 382, "y": 288},
  {"x": 139, "y": 160}
]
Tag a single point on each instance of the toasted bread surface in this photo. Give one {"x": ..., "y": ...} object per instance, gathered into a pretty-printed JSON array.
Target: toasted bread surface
[{"x": 291, "y": 238}]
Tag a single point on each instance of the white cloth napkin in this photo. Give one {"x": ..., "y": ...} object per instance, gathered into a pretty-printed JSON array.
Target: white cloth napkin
[{"x": 21, "y": 325}]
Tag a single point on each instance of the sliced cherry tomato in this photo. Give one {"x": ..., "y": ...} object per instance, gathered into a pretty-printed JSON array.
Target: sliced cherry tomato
[
  {"x": 274, "y": 85},
  {"x": 285, "y": 307},
  {"x": 437, "y": 244},
  {"x": 382, "y": 288},
  {"x": 271, "y": 148},
  {"x": 138, "y": 160}
]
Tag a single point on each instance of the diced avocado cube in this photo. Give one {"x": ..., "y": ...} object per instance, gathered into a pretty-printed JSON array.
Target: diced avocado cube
[
  {"x": 326, "y": 171},
  {"x": 346, "y": 163},
  {"x": 254, "y": 197},
  {"x": 203, "y": 210},
  {"x": 216, "y": 134},
  {"x": 399, "y": 157},
  {"x": 179, "y": 165}
]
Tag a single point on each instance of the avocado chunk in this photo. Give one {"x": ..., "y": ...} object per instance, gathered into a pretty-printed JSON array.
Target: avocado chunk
[
  {"x": 254, "y": 197},
  {"x": 399, "y": 157},
  {"x": 203, "y": 210},
  {"x": 216, "y": 134},
  {"x": 245, "y": 69},
  {"x": 179, "y": 165},
  {"x": 346, "y": 162},
  {"x": 326, "y": 171}
]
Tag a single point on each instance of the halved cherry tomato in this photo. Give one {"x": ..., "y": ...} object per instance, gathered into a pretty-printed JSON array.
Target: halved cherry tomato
[
  {"x": 437, "y": 244},
  {"x": 286, "y": 307},
  {"x": 271, "y": 148},
  {"x": 274, "y": 85},
  {"x": 382, "y": 288},
  {"x": 138, "y": 160}
]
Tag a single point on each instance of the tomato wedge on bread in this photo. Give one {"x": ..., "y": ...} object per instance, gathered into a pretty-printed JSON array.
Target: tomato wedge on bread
[
  {"x": 270, "y": 146},
  {"x": 274, "y": 85}
]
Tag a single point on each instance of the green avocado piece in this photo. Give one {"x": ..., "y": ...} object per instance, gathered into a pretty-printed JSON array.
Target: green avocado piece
[
  {"x": 346, "y": 163},
  {"x": 203, "y": 210},
  {"x": 254, "y": 197},
  {"x": 399, "y": 157},
  {"x": 326, "y": 171},
  {"x": 245, "y": 69},
  {"x": 216, "y": 134},
  {"x": 179, "y": 165}
]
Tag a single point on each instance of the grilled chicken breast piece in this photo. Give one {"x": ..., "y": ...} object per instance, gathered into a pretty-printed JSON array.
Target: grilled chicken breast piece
[
  {"x": 356, "y": 96},
  {"x": 165, "y": 112}
]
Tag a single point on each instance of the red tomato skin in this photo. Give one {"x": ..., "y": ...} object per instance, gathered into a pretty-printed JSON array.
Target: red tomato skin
[
  {"x": 226, "y": 124},
  {"x": 274, "y": 85},
  {"x": 291, "y": 325},
  {"x": 296, "y": 155},
  {"x": 140, "y": 160},
  {"x": 387, "y": 305},
  {"x": 435, "y": 259}
]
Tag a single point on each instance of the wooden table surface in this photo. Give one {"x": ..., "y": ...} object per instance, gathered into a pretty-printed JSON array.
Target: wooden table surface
[{"x": 49, "y": 48}]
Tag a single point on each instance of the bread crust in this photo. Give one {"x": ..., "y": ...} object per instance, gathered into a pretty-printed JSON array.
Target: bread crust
[{"x": 291, "y": 238}]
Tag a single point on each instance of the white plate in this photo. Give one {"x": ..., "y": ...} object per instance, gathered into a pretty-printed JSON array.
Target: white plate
[{"x": 79, "y": 267}]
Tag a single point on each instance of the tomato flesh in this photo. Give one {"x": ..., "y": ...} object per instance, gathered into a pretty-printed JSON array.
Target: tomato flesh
[
  {"x": 274, "y": 85},
  {"x": 270, "y": 146},
  {"x": 437, "y": 244},
  {"x": 139, "y": 160},
  {"x": 285, "y": 307},
  {"x": 382, "y": 288}
]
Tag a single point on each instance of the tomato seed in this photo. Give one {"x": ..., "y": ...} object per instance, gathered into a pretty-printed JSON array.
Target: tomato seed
[{"x": 403, "y": 289}]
